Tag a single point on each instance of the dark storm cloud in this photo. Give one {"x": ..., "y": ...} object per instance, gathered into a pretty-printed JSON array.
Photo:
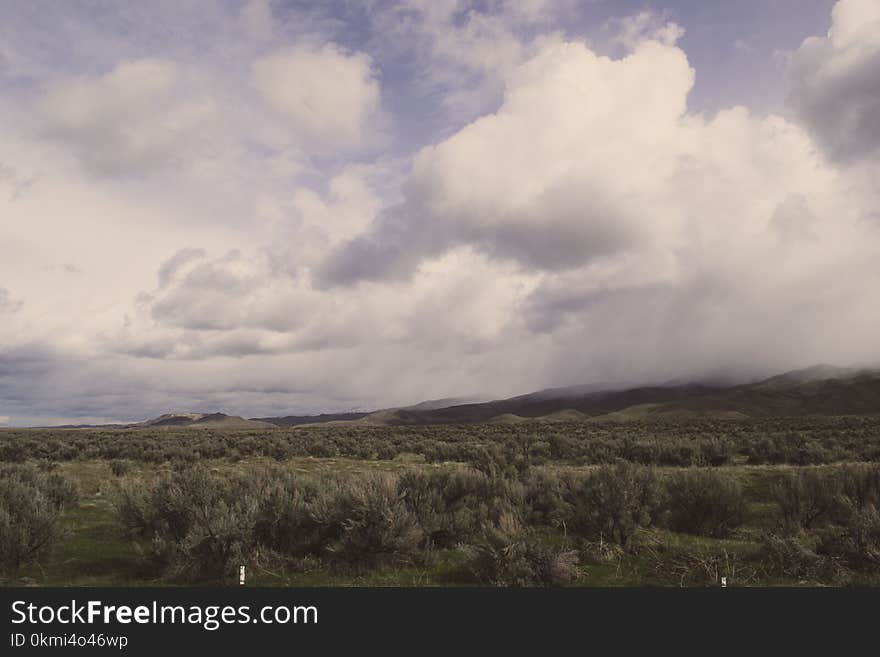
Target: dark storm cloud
[
  {"x": 39, "y": 383},
  {"x": 653, "y": 332},
  {"x": 568, "y": 224},
  {"x": 834, "y": 83},
  {"x": 842, "y": 111},
  {"x": 27, "y": 359},
  {"x": 391, "y": 250},
  {"x": 551, "y": 306}
]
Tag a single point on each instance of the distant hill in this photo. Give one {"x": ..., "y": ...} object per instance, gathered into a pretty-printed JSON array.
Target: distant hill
[
  {"x": 812, "y": 374},
  {"x": 180, "y": 420},
  {"x": 539, "y": 405},
  {"x": 508, "y": 418},
  {"x": 380, "y": 417},
  {"x": 323, "y": 418},
  {"x": 203, "y": 420},
  {"x": 803, "y": 392},
  {"x": 565, "y": 415},
  {"x": 433, "y": 404}
]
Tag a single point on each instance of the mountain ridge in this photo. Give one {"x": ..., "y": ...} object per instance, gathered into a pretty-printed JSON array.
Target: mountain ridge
[{"x": 816, "y": 390}]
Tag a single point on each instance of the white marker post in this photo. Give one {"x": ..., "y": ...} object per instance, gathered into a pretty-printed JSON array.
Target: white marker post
[
  {"x": 723, "y": 579},
  {"x": 241, "y": 575}
]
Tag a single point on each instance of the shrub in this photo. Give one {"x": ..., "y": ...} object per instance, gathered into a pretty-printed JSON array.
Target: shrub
[
  {"x": 219, "y": 540},
  {"x": 31, "y": 503},
  {"x": 547, "y": 499},
  {"x": 695, "y": 566},
  {"x": 120, "y": 467},
  {"x": 787, "y": 557},
  {"x": 285, "y": 522},
  {"x": 371, "y": 524},
  {"x": 501, "y": 462},
  {"x": 357, "y": 523},
  {"x": 857, "y": 488},
  {"x": 804, "y": 499},
  {"x": 562, "y": 446},
  {"x": 717, "y": 452},
  {"x": 507, "y": 556},
  {"x": 13, "y": 451},
  {"x": 858, "y": 544},
  {"x": 614, "y": 501},
  {"x": 199, "y": 525},
  {"x": 810, "y": 497},
  {"x": 385, "y": 451},
  {"x": 452, "y": 506},
  {"x": 704, "y": 502},
  {"x": 320, "y": 449}
]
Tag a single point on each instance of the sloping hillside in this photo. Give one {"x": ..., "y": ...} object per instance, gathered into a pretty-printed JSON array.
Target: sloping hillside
[
  {"x": 817, "y": 390},
  {"x": 205, "y": 421},
  {"x": 820, "y": 390}
]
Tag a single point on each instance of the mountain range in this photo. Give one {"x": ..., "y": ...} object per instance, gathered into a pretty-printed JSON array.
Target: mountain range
[{"x": 820, "y": 390}]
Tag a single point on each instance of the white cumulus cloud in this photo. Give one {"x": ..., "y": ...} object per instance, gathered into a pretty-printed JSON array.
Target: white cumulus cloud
[
  {"x": 131, "y": 119},
  {"x": 327, "y": 96}
]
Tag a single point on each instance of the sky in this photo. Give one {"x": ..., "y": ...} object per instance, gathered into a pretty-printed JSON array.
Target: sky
[{"x": 270, "y": 208}]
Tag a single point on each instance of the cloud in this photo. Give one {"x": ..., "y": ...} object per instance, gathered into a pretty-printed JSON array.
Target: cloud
[
  {"x": 7, "y": 303},
  {"x": 326, "y": 95},
  {"x": 170, "y": 267},
  {"x": 130, "y": 120},
  {"x": 155, "y": 116},
  {"x": 466, "y": 38},
  {"x": 569, "y": 118},
  {"x": 242, "y": 305},
  {"x": 631, "y": 31},
  {"x": 460, "y": 52},
  {"x": 834, "y": 87},
  {"x": 257, "y": 18},
  {"x": 226, "y": 292},
  {"x": 13, "y": 181}
]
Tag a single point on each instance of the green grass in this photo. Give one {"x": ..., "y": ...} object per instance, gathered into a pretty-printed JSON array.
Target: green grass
[{"x": 93, "y": 553}]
